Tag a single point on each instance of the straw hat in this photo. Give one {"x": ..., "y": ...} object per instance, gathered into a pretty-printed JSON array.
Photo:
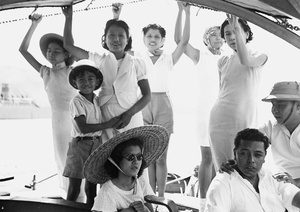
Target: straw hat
[
  {"x": 288, "y": 91},
  {"x": 85, "y": 64},
  {"x": 155, "y": 140},
  {"x": 46, "y": 39}
]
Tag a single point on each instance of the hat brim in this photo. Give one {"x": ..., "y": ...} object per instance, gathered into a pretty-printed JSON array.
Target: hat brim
[
  {"x": 283, "y": 97},
  {"x": 45, "y": 40},
  {"x": 75, "y": 70},
  {"x": 155, "y": 140}
]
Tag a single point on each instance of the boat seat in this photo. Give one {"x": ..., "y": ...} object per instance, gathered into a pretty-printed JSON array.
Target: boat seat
[{"x": 23, "y": 204}]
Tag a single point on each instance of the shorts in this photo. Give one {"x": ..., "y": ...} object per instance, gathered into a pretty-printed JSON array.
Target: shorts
[
  {"x": 159, "y": 111},
  {"x": 78, "y": 152}
]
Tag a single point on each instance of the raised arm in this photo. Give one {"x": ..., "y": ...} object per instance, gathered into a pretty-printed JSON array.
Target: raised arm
[
  {"x": 181, "y": 46},
  {"x": 68, "y": 37},
  {"x": 190, "y": 51},
  {"x": 35, "y": 20},
  {"x": 242, "y": 51},
  {"x": 116, "y": 9}
]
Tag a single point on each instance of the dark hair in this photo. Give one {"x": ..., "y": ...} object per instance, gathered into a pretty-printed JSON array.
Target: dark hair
[
  {"x": 249, "y": 134},
  {"x": 118, "y": 23},
  {"x": 161, "y": 30},
  {"x": 117, "y": 156},
  {"x": 69, "y": 60},
  {"x": 244, "y": 26}
]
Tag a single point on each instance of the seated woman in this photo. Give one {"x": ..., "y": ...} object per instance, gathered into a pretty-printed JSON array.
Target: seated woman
[{"x": 118, "y": 164}]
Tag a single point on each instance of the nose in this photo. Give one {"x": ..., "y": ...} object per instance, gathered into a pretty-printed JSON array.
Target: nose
[{"x": 250, "y": 158}]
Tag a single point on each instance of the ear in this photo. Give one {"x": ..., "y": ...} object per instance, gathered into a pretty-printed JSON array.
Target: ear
[
  {"x": 74, "y": 84},
  {"x": 163, "y": 41}
]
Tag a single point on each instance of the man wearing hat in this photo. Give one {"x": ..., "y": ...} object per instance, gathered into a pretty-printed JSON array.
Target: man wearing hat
[
  {"x": 87, "y": 126},
  {"x": 284, "y": 134},
  {"x": 118, "y": 165}
]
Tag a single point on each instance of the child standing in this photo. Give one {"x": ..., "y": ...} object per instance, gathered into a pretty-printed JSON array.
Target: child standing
[
  {"x": 159, "y": 66},
  {"x": 56, "y": 85},
  {"x": 205, "y": 61},
  {"x": 118, "y": 165},
  {"x": 124, "y": 75},
  {"x": 87, "y": 127}
]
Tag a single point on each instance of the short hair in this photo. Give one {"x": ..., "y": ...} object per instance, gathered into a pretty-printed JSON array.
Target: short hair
[
  {"x": 161, "y": 30},
  {"x": 117, "y": 156},
  {"x": 249, "y": 134},
  {"x": 244, "y": 26},
  {"x": 121, "y": 24}
]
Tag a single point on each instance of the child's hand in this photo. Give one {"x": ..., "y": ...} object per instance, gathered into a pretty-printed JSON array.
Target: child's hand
[
  {"x": 284, "y": 177},
  {"x": 116, "y": 9},
  {"x": 113, "y": 121},
  {"x": 138, "y": 206},
  {"x": 67, "y": 10},
  {"x": 123, "y": 121},
  {"x": 186, "y": 6},
  {"x": 36, "y": 18},
  {"x": 233, "y": 21},
  {"x": 227, "y": 166}
]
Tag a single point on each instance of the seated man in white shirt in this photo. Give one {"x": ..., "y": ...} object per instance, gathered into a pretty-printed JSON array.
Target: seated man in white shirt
[{"x": 249, "y": 187}]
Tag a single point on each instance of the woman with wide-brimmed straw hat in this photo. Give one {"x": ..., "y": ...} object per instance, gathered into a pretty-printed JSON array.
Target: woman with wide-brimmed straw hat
[
  {"x": 59, "y": 91},
  {"x": 118, "y": 165}
]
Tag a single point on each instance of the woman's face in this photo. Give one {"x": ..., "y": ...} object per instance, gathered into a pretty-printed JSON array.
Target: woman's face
[
  {"x": 216, "y": 40},
  {"x": 132, "y": 160},
  {"x": 55, "y": 53},
  {"x": 116, "y": 39},
  {"x": 153, "y": 39},
  {"x": 230, "y": 36}
]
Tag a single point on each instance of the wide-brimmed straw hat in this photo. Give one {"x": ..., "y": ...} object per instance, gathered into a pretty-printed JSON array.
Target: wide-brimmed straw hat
[
  {"x": 46, "y": 39},
  {"x": 85, "y": 64},
  {"x": 288, "y": 91},
  {"x": 155, "y": 140}
]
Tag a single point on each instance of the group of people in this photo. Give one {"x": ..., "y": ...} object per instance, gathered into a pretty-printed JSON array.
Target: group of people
[{"x": 112, "y": 137}]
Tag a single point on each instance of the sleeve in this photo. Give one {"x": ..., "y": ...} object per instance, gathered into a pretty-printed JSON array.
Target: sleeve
[
  {"x": 96, "y": 58},
  {"x": 76, "y": 108},
  {"x": 288, "y": 192},
  {"x": 218, "y": 196},
  {"x": 44, "y": 71},
  {"x": 141, "y": 69}
]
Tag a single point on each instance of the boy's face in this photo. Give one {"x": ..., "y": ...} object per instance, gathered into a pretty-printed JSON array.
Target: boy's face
[
  {"x": 250, "y": 156},
  {"x": 86, "y": 82}
]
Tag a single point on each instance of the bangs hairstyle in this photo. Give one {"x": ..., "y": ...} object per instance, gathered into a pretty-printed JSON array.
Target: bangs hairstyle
[
  {"x": 161, "y": 30},
  {"x": 69, "y": 61},
  {"x": 121, "y": 24},
  {"x": 117, "y": 156},
  {"x": 244, "y": 26},
  {"x": 251, "y": 135}
]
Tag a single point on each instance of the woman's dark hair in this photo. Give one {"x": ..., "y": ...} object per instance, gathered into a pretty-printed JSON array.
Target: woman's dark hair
[
  {"x": 69, "y": 60},
  {"x": 118, "y": 154},
  {"x": 118, "y": 23},
  {"x": 249, "y": 134},
  {"x": 161, "y": 30},
  {"x": 243, "y": 24}
]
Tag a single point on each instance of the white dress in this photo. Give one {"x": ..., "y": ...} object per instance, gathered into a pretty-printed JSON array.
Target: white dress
[
  {"x": 236, "y": 105},
  {"x": 60, "y": 93}
]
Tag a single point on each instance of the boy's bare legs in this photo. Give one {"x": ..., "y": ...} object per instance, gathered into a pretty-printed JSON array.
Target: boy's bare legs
[
  {"x": 90, "y": 191},
  {"x": 74, "y": 189}
]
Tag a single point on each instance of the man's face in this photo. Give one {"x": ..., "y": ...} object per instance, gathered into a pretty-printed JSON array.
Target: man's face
[
  {"x": 250, "y": 156},
  {"x": 281, "y": 111}
]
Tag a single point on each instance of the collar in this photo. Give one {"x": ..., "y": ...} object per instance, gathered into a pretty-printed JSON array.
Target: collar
[{"x": 59, "y": 65}]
